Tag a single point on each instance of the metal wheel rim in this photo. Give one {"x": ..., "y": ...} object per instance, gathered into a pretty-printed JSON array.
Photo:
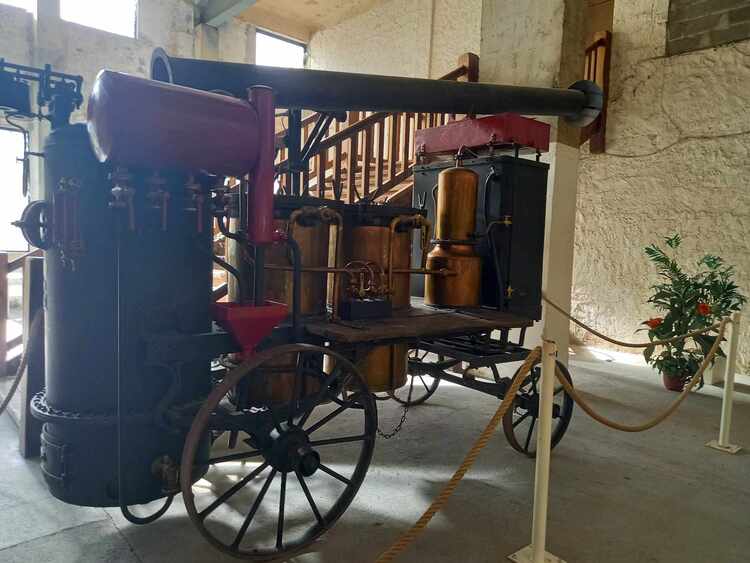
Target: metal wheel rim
[
  {"x": 333, "y": 513},
  {"x": 516, "y": 419}
]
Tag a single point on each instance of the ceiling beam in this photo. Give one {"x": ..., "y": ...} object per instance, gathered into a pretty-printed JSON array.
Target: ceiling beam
[{"x": 218, "y": 12}]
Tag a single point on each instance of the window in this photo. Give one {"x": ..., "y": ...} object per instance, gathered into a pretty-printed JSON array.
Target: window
[
  {"x": 27, "y": 5},
  {"x": 12, "y": 200},
  {"x": 114, "y": 16},
  {"x": 272, "y": 50}
]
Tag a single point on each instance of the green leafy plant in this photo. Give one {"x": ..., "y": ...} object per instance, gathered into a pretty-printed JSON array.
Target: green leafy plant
[{"x": 689, "y": 302}]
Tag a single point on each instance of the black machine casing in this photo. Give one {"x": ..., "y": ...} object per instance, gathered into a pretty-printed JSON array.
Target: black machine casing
[
  {"x": 79, "y": 404},
  {"x": 513, "y": 192}
]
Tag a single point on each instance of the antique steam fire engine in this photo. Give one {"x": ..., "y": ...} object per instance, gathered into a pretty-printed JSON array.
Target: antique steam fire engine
[{"x": 155, "y": 387}]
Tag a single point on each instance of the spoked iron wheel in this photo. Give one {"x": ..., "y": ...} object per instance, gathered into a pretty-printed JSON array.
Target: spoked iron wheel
[
  {"x": 520, "y": 421},
  {"x": 420, "y": 385},
  {"x": 290, "y": 473}
]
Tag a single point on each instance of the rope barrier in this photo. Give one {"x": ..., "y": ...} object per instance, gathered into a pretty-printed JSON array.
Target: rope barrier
[
  {"x": 595, "y": 332},
  {"x": 406, "y": 539},
  {"x": 589, "y": 410},
  {"x": 442, "y": 498}
]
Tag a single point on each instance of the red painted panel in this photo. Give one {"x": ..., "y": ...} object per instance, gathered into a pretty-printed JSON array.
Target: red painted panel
[{"x": 501, "y": 129}]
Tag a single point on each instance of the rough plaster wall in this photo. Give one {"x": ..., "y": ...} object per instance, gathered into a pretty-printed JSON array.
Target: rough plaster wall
[
  {"x": 416, "y": 38},
  {"x": 678, "y": 159},
  {"x": 456, "y": 29},
  {"x": 16, "y": 34},
  {"x": 390, "y": 39},
  {"x": 521, "y": 42}
]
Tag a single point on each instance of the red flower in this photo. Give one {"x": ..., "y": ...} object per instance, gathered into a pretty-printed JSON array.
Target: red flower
[
  {"x": 655, "y": 322},
  {"x": 704, "y": 309}
]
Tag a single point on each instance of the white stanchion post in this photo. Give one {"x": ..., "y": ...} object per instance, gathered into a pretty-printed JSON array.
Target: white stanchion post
[
  {"x": 723, "y": 444},
  {"x": 535, "y": 553}
]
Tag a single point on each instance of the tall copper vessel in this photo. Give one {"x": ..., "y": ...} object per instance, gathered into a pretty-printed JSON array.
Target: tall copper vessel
[
  {"x": 309, "y": 222},
  {"x": 384, "y": 368},
  {"x": 456, "y": 197}
]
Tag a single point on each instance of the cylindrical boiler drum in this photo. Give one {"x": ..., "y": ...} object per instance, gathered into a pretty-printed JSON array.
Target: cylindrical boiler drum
[
  {"x": 83, "y": 355},
  {"x": 312, "y": 236},
  {"x": 456, "y": 204},
  {"x": 366, "y": 238},
  {"x": 455, "y": 227},
  {"x": 460, "y": 289}
]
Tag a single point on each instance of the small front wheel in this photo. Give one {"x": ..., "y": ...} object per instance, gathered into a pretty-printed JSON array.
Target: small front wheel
[{"x": 520, "y": 421}]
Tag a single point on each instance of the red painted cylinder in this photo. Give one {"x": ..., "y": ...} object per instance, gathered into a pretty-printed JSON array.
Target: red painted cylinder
[
  {"x": 137, "y": 122},
  {"x": 260, "y": 196}
]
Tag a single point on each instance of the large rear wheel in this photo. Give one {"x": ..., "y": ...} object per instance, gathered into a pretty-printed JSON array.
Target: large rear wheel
[{"x": 280, "y": 472}]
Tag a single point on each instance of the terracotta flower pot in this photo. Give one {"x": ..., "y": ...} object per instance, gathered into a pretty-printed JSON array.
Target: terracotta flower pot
[{"x": 673, "y": 383}]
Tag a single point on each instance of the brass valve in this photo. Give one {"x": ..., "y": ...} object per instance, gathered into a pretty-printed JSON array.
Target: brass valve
[
  {"x": 158, "y": 197},
  {"x": 196, "y": 197},
  {"x": 123, "y": 194}
]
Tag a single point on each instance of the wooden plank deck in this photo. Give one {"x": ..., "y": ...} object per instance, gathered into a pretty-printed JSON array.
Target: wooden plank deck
[{"x": 419, "y": 321}]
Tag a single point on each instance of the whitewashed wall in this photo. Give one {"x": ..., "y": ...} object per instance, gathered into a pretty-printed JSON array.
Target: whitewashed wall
[
  {"x": 415, "y": 38},
  {"x": 678, "y": 160}
]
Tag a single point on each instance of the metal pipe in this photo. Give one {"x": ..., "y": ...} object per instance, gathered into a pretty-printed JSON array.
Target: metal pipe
[
  {"x": 415, "y": 222},
  {"x": 296, "y": 287},
  {"x": 424, "y": 271},
  {"x": 327, "y": 91}
]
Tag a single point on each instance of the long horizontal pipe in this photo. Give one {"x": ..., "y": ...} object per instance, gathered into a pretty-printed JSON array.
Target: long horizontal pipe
[
  {"x": 321, "y": 269},
  {"x": 340, "y": 91}
]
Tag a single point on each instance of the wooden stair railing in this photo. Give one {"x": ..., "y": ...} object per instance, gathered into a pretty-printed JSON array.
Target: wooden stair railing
[
  {"x": 8, "y": 266},
  {"x": 369, "y": 155}
]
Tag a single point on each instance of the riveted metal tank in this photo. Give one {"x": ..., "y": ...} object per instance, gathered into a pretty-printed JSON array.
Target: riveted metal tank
[
  {"x": 455, "y": 225},
  {"x": 456, "y": 204},
  {"x": 367, "y": 237},
  {"x": 312, "y": 235},
  {"x": 302, "y": 219},
  {"x": 83, "y": 269}
]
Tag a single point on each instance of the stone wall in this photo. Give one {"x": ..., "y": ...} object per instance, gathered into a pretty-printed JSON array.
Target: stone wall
[
  {"x": 415, "y": 38},
  {"x": 677, "y": 160},
  {"x": 697, "y": 25}
]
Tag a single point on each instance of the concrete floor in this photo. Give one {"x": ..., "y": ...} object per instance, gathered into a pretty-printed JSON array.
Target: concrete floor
[{"x": 659, "y": 496}]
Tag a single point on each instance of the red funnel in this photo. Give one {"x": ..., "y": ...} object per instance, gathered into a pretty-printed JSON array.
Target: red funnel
[{"x": 249, "y": 324}]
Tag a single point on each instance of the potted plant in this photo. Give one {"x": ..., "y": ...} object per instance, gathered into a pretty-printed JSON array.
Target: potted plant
[{"x": 689, "y": 302}]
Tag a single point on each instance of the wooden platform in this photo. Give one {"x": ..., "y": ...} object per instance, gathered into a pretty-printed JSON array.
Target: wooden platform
[{"x": 419, "y": 321}]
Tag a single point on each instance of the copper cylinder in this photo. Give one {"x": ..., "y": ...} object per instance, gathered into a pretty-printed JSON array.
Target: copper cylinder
[
  {"x": 460, "y": 290},
  {"x": 370, "y": 243},
  {"x": 384, "y": 367},
  {"x": 456, "y": 204},
  {"x": 313, "y": 243}
]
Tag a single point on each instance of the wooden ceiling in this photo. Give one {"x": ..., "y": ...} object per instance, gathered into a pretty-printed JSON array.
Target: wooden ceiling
[{"x": 299, "y": 19}]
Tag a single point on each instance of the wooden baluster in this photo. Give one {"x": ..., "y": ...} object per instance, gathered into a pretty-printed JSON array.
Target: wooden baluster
[
  {"x": 352, "y": 168},
  {"x": 366, "y": 160},
  {"x": 322, "y": 164},
  {"x": 393, "y": 153},
  {"x": 337, "y": 172},
  {"x": 406, "y": 148},
  {"x": 380, "y": 154},
  {"x": 306, "y": 178}
]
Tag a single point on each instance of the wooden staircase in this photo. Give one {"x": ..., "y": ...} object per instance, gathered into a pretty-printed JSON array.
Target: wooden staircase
[{"x": 367, "y": 156}]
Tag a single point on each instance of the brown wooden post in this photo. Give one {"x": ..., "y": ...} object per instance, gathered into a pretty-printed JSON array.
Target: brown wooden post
[
  {"x": 33, "y": 302},
  {"x": 470, "y": 62},
  {"x": 3, "y": 312}
]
